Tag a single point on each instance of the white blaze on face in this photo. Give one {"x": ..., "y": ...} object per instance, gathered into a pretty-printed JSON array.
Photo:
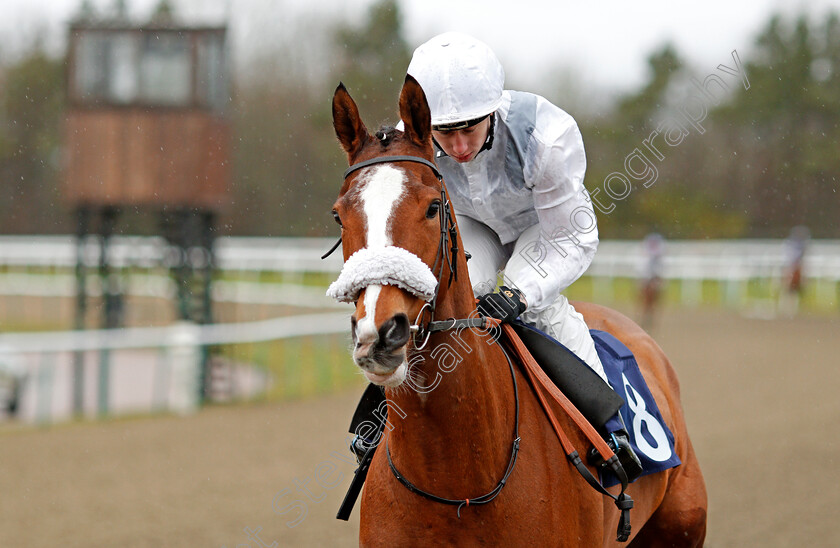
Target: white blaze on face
[
  {"x": 381, "y": 189},
  {"x": 366, "y": 331}
]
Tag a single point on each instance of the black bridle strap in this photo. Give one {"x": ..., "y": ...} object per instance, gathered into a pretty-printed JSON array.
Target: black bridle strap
[
  {"x": 401, "y": 158},
  {"x": 387, "y": 159},
  {"x": 492, "y": 494},
  {"x": 448, "y": 228},
  {"x": 480, "y": 322},
  {"x": 448, "y": 234},
  {"x": 333, "y": 248}
]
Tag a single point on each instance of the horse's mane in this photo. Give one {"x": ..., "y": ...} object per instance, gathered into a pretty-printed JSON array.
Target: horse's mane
[{"x": 386, "y": 135}]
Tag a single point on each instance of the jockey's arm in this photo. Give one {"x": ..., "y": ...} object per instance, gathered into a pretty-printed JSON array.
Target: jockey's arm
[{"x": 568, "y": 232}]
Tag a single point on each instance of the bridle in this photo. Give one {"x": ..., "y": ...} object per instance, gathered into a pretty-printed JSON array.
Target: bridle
[{"x": 447, "y": 255}]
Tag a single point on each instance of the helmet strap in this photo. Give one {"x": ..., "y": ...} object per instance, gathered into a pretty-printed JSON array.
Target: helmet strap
[{"x": 491, "y": 133}]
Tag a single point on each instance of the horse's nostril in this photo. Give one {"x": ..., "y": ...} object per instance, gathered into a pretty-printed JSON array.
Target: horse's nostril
[{"x": 395, "y": 332}]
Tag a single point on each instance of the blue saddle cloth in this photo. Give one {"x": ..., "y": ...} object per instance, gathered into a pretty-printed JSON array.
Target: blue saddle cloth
[{"x": 649, "y": 435}]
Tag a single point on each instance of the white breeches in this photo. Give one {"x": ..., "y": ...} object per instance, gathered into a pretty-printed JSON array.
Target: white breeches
[{"x": 559, "y": 319}]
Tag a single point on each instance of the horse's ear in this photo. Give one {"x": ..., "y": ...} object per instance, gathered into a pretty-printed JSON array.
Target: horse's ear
[
  {"x": 415, "y": 113},
  {"x": 349, "y": 128}
]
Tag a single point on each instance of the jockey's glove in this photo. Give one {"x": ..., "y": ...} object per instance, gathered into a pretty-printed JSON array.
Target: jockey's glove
[{"x": 506, "y": 305}]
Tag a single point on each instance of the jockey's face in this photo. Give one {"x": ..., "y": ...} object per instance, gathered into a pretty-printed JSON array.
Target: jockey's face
[{"x": 463, "y": 144}]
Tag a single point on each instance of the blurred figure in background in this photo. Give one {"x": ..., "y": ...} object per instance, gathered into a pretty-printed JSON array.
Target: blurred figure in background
[
  {"x": 651, "y": 281},
  {"x": 796, "y": 245},
  {"x": 12, "y": 377}
]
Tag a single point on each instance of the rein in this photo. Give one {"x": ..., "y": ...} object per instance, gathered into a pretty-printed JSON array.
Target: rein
[
  {"x": 539, "y": 379},
  {"x": 493, "y": 493}
]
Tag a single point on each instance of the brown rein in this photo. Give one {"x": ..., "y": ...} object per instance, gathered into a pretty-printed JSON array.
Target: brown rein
[{"x": 538, "y": 380}]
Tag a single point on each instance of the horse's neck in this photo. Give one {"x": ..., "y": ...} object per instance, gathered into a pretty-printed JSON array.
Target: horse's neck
[{"x": 460, "y": 407}]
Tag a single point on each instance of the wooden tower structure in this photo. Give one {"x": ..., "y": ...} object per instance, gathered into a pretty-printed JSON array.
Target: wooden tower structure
[{"x": 146, "y": 128}]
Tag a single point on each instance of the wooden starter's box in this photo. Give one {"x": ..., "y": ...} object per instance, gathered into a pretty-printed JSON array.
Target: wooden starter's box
[{"x": 145, "y": 123}]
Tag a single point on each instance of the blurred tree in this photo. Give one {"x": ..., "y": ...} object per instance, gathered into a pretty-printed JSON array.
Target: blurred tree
[
  {"x": 787, "y": 126},
  {"x": 31, "y": 104},
  {"x": 164, "y": 13},
  {"x": 679, "y": 203},
  {"x": 373, "y": 60},
  {"x": 767, "y": 161},
  {"x": 637, "y": 111},
  {"x": 287, "y": 161},
  {"x": 85, "y": 12}
]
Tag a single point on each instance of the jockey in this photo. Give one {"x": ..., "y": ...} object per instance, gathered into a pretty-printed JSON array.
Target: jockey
[{"x": 514, "y": 165}]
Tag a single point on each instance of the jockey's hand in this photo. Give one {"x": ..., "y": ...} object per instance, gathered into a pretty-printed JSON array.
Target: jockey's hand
[{"x": 506, "y": 305}]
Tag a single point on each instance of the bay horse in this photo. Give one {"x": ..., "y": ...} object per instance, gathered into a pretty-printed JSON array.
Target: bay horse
[{"x": 457, "y": 411}]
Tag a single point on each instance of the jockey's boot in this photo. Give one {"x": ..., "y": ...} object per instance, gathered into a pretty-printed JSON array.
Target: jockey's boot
[
  {"x": 619, "y": 442},
  {"x": 360, "y": 446},
  {"x": 368, "y": 422}
]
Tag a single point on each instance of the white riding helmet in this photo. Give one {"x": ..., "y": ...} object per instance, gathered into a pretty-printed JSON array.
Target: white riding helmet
[{"x": 461, "y": 76}]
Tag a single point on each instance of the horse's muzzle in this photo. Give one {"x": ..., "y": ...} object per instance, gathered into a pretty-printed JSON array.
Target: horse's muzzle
[{"x": 380, "y": 354}]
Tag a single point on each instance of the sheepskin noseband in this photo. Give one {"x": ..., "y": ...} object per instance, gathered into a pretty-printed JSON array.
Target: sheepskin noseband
[{"x": 387, "y": 265}]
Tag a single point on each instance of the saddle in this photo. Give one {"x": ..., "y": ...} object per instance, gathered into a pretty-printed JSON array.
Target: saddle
[
  {"x": 626, "y": 401},
  {"x": 585, "y": 389}
]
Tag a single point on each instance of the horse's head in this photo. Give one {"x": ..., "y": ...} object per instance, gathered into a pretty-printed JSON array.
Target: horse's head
[{"x": 391, "y": 212}]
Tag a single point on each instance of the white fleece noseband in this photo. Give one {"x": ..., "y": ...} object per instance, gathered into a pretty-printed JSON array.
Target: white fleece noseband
[{"x": 389, "y": 265}]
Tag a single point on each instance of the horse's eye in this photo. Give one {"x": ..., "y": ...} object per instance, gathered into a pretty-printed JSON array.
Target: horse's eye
[
  {"x": 336, "y": 217},
  {"x": 433, "y": 210}
]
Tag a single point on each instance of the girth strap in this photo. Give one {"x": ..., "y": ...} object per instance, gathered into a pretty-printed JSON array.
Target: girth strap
[{"x": 539, "y": 379}]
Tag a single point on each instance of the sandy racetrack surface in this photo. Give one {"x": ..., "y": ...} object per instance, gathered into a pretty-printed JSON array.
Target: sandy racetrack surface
[{"x": 760, "y": 398}]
